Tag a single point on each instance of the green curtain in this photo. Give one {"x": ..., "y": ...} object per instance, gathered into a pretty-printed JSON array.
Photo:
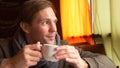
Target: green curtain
[
  {"x": 115, "y": 22},
  {"x": 106, "y": 20}
]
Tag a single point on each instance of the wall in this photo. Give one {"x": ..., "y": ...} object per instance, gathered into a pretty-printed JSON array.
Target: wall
[{"x": 9, "y": 12}]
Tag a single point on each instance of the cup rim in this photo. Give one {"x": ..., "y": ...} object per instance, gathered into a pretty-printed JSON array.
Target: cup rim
[{"x": 49, "y": 45}]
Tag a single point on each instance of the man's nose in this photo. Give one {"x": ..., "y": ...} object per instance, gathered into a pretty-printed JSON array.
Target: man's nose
[{"x": 53, "y": 27}]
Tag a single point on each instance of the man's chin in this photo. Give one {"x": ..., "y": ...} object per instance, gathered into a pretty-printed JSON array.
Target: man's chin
[{"x": 50, "y": 42}]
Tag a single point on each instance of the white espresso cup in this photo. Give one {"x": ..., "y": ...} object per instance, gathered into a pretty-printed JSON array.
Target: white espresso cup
[{"x": 48, "y": 51}]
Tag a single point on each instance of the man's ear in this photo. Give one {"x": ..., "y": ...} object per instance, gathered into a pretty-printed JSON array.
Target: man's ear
[{"x": 25, "y": 27}]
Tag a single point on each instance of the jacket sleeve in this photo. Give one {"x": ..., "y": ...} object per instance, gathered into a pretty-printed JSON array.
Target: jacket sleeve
[
  {"x": 1, "y": 55},
  {"x": 96, "y": 60},
  {"x": 5, "y": 51}
]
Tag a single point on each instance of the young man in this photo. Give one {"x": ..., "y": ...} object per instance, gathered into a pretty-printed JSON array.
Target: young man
[{"x": 37, "y": 27}]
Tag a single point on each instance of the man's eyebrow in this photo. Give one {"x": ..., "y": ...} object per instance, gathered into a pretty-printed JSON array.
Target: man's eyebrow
[
  {"x": 45, "y": 19},
  {"x": 48, "y": 19}
]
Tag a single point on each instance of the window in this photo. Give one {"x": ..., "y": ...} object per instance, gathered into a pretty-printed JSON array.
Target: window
[{"x": 75, "y": 20}]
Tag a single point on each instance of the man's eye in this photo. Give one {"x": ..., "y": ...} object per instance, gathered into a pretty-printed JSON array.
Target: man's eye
[{"x": 45, "y": 22}]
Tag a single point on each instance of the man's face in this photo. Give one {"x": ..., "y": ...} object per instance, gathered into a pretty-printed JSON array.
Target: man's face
[{"x": 43, "y": 27}]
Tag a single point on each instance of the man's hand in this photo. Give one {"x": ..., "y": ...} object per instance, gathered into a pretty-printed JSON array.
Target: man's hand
[
  {"x": 70, "y": 54},
  {"x": 28, "y": 56}
]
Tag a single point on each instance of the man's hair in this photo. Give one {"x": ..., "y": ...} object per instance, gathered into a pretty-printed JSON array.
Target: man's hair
[{"x": 31, "y": 7}]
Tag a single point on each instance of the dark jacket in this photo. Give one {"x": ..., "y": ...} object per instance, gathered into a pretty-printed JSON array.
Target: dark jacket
[{"x": 9, "y": 48}]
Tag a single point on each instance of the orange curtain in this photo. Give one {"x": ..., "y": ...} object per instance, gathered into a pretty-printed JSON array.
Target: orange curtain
[{"x": 75, "y": 19}]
